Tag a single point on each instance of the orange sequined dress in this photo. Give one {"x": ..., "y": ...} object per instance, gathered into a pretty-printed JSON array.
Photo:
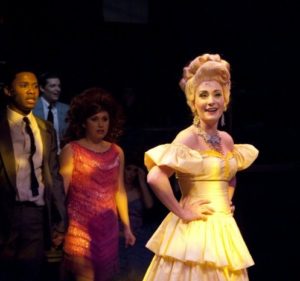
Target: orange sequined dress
[{"x": 93, "y": 224}]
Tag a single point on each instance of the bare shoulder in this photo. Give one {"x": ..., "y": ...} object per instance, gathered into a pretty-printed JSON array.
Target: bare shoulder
[
  {"x": 66, "y": 149},
  {"x": 66, "y": 153},
  {"x": 187, "y": 136},
  {"x": 121, "y": 155},
  {"x": 118, "y": 148},
  {"x": 227, "y": 139}
]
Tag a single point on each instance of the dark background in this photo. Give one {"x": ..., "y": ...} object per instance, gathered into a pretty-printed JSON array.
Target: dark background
[{"x": 144, "y": 45}]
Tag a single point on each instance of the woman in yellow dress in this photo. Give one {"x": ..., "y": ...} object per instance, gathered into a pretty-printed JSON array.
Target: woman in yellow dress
[{"x": 199, "y": 239}]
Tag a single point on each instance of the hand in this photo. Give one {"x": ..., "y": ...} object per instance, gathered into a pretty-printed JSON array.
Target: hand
[
  {"x": 129, "y": 237},
  {"x": 198, "y": 210},
  {"x": 57, "y": 239},
  {"x": 232, "y": 207}
]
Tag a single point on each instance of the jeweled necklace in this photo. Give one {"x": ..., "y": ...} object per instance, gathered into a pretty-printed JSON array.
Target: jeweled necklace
[{"x": 213, "y": 141}]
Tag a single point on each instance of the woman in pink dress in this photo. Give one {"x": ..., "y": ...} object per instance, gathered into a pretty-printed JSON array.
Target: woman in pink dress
[{"x": 92, "y": 166}]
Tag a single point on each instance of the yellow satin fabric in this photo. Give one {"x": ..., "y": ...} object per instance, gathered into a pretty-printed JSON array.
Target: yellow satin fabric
[{"x": 200, "y": 250}]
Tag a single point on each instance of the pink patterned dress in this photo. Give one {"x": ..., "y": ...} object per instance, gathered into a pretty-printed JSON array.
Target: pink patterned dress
[{"x": 93, "y": 223}]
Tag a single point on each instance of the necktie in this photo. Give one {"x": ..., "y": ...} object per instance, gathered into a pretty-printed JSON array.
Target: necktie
[
  {"x": 50, "y": 114},
  {"x": 34, "y": 182}
]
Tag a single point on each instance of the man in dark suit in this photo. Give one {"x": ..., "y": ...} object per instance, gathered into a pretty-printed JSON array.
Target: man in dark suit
[
  {"x": 32, "y": 210},
  {"x": 49, "y": 107}
]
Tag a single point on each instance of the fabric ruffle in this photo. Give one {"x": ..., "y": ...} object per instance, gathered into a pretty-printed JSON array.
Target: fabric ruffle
[
  {"x": 173, "y": 270},
  {"x": 186, "y": 160},
  {"x": 175, "y": 155},
  {"x": 216, "y": 240},
  {"x": 245, "y": 154}
]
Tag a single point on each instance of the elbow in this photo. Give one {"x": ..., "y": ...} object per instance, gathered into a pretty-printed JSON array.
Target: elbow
[
  {"x": 153, "y": 177},
  {"x": 150, "y": 179},
  {"x": 157, "y": 175}
]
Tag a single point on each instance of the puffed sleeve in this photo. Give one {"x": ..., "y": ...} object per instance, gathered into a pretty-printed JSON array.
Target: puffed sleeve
[
  {"x": 176, "y": 156},
  {"x": 245, "y": 155}
]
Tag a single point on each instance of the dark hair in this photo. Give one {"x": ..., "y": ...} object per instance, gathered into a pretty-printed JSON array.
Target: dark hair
[
  {"x": 88, "y": 103},
  {"x": 9, "y": 75},
  {"x": 45, "y": 76},
  {"x": 11, "y": 72}
]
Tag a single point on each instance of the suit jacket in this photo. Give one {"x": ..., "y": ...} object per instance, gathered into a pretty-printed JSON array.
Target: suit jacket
[
  {"x": 55, "y": 218},
  {"x": 62, "y": 110}
]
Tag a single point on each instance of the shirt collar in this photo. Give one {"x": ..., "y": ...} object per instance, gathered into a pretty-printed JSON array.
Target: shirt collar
[
  {"x": 16, "y": 118},
  {"x": 46, "y": 103}
]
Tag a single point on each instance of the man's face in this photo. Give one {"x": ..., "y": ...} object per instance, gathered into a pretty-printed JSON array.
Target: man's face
[
  {"x": 24, "y": 92},
  {"x": 52, "y": 90}
]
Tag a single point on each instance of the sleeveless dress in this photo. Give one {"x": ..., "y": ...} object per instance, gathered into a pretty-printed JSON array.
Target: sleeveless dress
[
  {"x": 93, "y": 230},
  {"x": 211, "y": 250}
]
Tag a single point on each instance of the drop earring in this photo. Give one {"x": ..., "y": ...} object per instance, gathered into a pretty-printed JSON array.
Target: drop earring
[
  {"x": 196, "y": 120},
  {"x": 222, "y": 120}
]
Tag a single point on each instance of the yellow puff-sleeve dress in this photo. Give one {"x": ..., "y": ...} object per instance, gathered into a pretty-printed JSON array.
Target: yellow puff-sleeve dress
[{"x": 211, "y": 250}]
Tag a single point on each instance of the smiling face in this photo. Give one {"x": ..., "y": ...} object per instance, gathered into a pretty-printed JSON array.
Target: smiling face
[
  {"x": 209, "y": 102},
  {"x": 23, "y": 91},
  {"x": 96, "y": 126},
  {"x": 52, "y": 89}
]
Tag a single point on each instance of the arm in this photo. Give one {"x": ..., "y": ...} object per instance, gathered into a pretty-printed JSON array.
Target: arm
[
  {"x": 146, "y": 195},
  {"x": 66, "y": 165},
  {"x": 122, "y": 205},
  {"x": 158, "y": 179}
]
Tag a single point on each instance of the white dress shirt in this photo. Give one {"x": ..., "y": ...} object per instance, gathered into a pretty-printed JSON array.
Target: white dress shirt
[{"x": 21, "y": 146}]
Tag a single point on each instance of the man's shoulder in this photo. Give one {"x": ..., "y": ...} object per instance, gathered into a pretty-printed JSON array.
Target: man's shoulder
[
  {"x": 39, "y": 103},
  {"x": 62, "y": 106},
  {"x": 38, "y": 109},
  {"x": 42, "y": 123}
]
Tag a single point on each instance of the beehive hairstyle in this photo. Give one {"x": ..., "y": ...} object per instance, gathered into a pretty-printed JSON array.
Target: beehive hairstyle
[{"x": 206, "y": 67}]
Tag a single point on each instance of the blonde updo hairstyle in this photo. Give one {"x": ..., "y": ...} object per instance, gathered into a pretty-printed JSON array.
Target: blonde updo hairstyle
[{"x": 206, "y": 67}]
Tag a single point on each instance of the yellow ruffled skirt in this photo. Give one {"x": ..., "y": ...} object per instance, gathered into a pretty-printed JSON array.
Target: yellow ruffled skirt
[{"x": 211, "y": 250}]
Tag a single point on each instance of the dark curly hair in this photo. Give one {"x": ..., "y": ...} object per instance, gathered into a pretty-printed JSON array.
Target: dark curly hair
[{"x": 90, "y": 102}]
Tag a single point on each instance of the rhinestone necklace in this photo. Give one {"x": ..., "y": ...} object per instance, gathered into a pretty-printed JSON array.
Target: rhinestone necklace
[{"x": 213, "y": 141}]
